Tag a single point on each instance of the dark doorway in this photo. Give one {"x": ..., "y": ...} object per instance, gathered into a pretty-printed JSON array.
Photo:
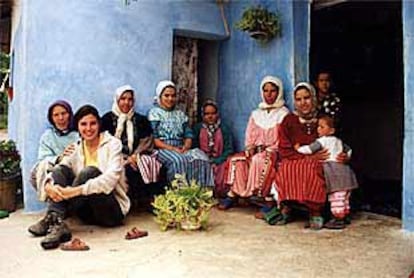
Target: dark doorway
[
  {"x": 195, "y": 73},
  {"x": 360, "y": 43}
]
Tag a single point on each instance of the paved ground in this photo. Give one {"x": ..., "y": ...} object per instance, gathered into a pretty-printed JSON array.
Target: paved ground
[{"x": 235, "y": 245}]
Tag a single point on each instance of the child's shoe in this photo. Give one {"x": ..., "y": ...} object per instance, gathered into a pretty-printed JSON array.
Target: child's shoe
[{"x": 316, "y": 223}]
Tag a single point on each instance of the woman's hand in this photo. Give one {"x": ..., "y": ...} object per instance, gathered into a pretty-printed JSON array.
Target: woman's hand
[
  {"x": 132, "y": 161},
  {"x": 249, "y": 152},
  {"x": 53, "y": 192},
  {"x": 69, "y": 149},
  {"x": 342, "y": 158},
  {"x": 69, "y": 192},
  {"x": 321, "y": 155}
]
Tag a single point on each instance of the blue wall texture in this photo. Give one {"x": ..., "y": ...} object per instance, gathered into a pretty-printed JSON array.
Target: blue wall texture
[
  {"x": 82, "y": 51},
  {"x": 244, "y": 62},
  {"x": 408, "y": 148}
]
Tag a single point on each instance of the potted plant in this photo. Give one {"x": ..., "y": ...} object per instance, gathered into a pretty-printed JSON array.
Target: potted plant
[
  {"x": 10, "y": 174},
  {"x": 260, "y": 23},
  {"x": 184, "y": 206}
]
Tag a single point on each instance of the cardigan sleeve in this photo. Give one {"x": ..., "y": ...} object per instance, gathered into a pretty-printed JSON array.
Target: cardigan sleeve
[{"x": 286, "y": 146}]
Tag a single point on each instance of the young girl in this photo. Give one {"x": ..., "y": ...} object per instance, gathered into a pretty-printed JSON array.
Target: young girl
[{"x": 339, "y": 177}]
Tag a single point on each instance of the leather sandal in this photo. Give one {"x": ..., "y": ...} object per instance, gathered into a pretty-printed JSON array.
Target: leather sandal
[
  {"x": 74, "y": 245},
  {"x": 135, "y": 233}
]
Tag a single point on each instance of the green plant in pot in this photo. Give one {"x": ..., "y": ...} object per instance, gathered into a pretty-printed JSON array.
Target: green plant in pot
[
  {"x": 261, "y": 24},
  {"x": 184, "y": 206},
  {"x": 9, "y": 160},
  {"x": 10, "y": 174}
]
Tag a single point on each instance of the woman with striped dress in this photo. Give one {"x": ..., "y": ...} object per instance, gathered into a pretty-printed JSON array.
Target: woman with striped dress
[
  {"x": 300, "y": 177},
  {"x": 173, "y": 137}
]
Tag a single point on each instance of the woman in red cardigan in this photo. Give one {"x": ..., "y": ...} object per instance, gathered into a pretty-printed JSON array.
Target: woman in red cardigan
[{"x": 300, "y": 177}]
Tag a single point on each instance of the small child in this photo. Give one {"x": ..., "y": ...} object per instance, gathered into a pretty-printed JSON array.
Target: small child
[{"x": 339, "y": 177}]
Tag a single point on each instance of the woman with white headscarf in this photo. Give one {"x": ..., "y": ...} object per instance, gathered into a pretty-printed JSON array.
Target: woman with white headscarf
[
  {"x": 135, "y": 133},
  {"x": 252, "y": 172},
  {"x": 300, "y": 177},
  {"x": 173, "y": 137}
]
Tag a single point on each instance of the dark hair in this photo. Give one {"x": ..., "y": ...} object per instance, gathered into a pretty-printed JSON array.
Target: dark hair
[
  {"x": 326, "y": 71},
  {"x": 329, "y": 120},
  {"x": 273, "y": 84},
  {"x": 166, "y": 87},
  {"x": 300, "y": 88},
  {"x": 84, "y": 111}
]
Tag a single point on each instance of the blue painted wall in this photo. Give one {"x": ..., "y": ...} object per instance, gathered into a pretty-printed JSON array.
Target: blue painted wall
[
  {"x": 82, "y": 50},
  {"x": 244, "y": 62},
  {"x": 408, "y": 149}
]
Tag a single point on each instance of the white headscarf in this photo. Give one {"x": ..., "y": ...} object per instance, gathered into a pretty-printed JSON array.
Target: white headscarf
[
  {"x": 124, "y": 117},
  {"x": 279, "y": 102},
  {"x": 160, "y": 87},
  {"x": 313, "y": 113}
]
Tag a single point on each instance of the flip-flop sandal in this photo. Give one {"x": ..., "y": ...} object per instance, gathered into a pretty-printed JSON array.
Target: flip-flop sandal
[
  {"x": 75, "y": 245},
  {"x": 135, "y": 233}
]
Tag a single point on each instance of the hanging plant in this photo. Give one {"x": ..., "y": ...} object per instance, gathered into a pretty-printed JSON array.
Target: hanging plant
[{"x": 261, "y": 24}]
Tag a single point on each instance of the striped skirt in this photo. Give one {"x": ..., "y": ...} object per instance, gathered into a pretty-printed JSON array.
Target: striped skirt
[
  {"x": 301, "y": 180},
  {"x": 149, "y": 167},
  {"x": 194, "y": 164},
  {"x": 253, "y": 176}
]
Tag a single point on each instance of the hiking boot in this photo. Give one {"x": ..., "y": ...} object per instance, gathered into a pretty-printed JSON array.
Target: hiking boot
[
  {"x": 41, "y": 227},
  {"x": 58, "y": 233}
]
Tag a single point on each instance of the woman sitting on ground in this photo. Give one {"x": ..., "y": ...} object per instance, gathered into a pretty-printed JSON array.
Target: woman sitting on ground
[
  {"x": 252, "y": 172},
  {"x": 214, "y": 138},
  {"x": 173, "y": 138},
  {"x": 300, "y": 177},
  {"x": 134, "y": 130},
  {"x": 55, "y": 143},
  {"x": 90, "y": 182}
]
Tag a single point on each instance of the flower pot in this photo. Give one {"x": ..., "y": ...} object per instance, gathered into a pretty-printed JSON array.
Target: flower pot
[
  {"x": 259, "y": 35},
  {"x": 8, "y": 188},
  {"x": 187, "y": 225}
]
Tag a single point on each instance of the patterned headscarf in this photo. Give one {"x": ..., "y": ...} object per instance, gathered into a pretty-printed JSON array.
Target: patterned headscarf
[
  {"x": 68, "y": 108},
  {"x": 124, "y": 117},
  {"x": 279, "y": 102},
  {"x": 160, "y": 88},
  {"x": 211, "y": 128},
  {"x": 313, "y": 113}
]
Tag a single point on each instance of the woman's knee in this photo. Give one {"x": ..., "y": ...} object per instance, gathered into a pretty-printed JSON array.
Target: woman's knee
[
  {"x": 87, "y": 173},
  {"x": 62, "y": 174}
]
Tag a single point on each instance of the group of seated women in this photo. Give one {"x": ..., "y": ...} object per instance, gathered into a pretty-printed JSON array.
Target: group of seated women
[{"x": 91, "y": 172}]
